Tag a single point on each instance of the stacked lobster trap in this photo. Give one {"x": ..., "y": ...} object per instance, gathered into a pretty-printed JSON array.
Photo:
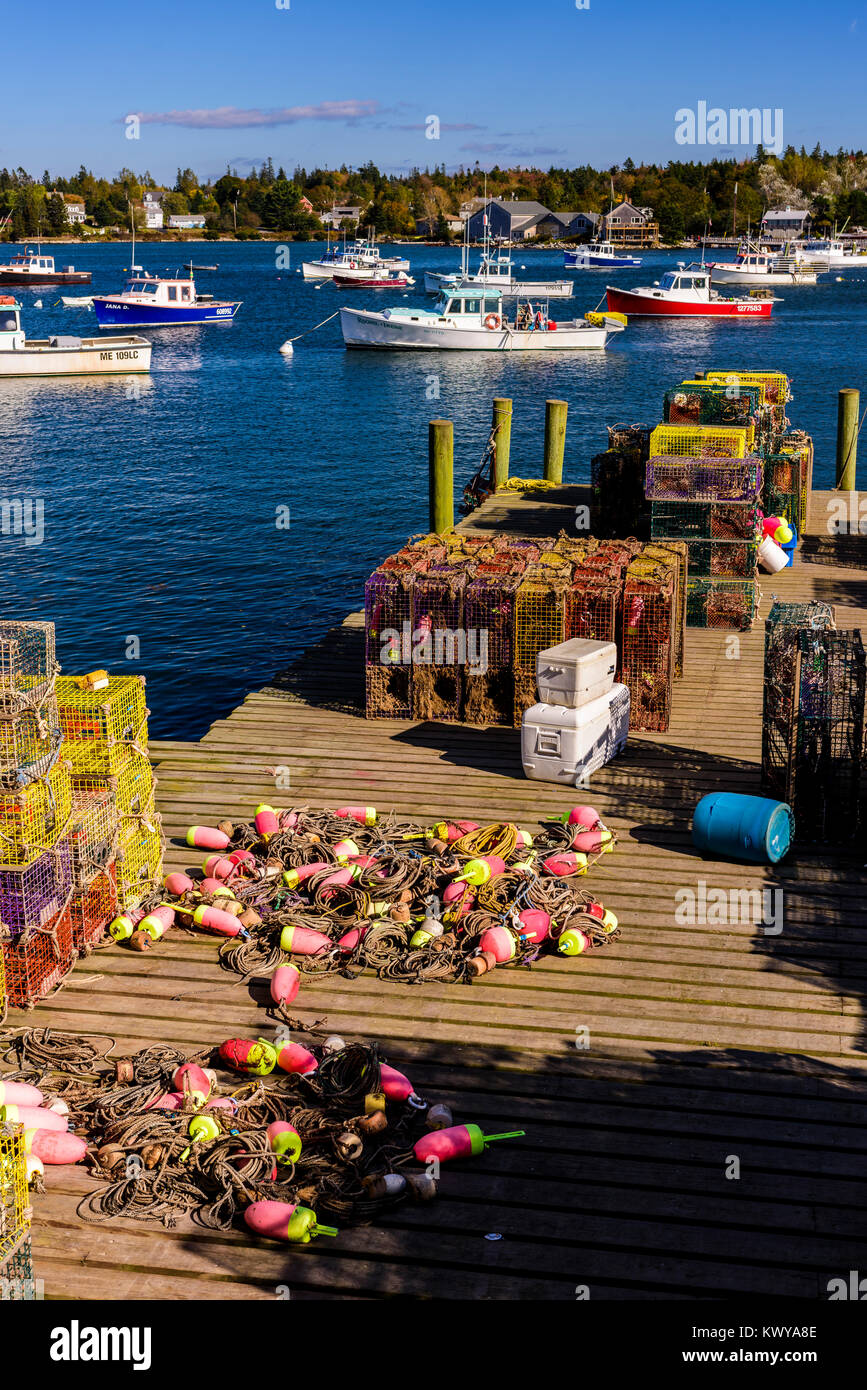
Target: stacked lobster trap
[
  {"x": 704, "y": 492},
  {"x": 454, "y": 624},
  {"x": 118, "y": 829},
  {"x": 813, "y": 720},
  {"x": 35, "y": 815},
  {"x": 79, "y": 832},
  {"x": 16, "y": 1267}
]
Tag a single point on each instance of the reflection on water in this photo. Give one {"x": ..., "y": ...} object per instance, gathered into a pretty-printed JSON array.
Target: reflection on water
[{"x": 161, "y": 493}]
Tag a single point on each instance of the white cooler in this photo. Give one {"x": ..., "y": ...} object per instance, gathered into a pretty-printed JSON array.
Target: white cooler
[
  {"x": 575, "y": 672},
  {"x": 565, "y": 745}
]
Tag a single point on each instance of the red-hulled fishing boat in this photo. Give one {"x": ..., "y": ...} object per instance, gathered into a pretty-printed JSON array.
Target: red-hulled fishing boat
[{"x": 686, "y": 293}]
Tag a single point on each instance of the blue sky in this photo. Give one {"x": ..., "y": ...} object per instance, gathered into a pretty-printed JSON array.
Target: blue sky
[{"x": 510, "y": 81}]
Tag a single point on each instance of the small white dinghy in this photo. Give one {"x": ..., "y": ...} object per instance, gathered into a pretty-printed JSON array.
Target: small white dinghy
[
  {"x": 63, "y": 355},
  {"x": 76, "y": 301}
]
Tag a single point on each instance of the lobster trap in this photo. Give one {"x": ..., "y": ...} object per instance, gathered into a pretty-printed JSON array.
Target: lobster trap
[
  {"x": 593, "y": 605},
  {"x": 138, "y": 865},
  {"x": 441, "y": 650},
  {"x": 617, "y": 484},
  {"x": 29, "y": 743},
  {"x": 33, "y": 896},
  {"x": 706, "y": 403},
  {"x": 540, "y": 622},
  {"x": 676, "y": 554},
  {"x": 722, "y": 603},
  {"x": 388, "y": 634},
  {"x": 28, "y": 666},
  {"x": 648, "y": 646},
  {"x": 699, "y": 441},
  {"x": 489, "y": 609},
  {"x": 17, "y": 1283},
  {"x": 102, "y": 727},
  {"x": 703, "y": 479},
  {"x": 93, "y": 832},
  {"x": 91, "y": 911},
  {"x": 783, "y": 627},
  {"x": 814, "y": 742},
  {"x": 33, "y": 818},
  {"x": 36, "y": 963},
  {"x": 775, "y": 386},
  {"x": 633, "y": 440},
  {"x": 788, "y": 481},
  {"x": 14, "y": 1199}
]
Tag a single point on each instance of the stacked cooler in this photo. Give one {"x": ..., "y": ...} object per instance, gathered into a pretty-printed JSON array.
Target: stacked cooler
[
  {"x": 35, "y": 817},
  {"x": 582, "y": 720}
]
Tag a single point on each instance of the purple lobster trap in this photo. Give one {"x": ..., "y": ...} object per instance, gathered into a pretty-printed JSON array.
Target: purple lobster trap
[{"x": 30, "y": 897}]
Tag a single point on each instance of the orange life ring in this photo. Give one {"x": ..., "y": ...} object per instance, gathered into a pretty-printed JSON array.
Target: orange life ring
[
  {"x": 492, "y": 321},
  {"x": 352, "y": 265}
]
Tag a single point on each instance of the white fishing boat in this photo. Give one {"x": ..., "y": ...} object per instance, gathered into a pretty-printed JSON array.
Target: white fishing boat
[
  {"x": 755, "y": 267},
  {"x": 63, "y": 355},
  {"x": 469, "y": 319},
  {"x": 598, "y": 255},
  {"x": 356, "y": 255},
  {"x": 495, "y": 271},
  {"x": 828, "y": 253}
]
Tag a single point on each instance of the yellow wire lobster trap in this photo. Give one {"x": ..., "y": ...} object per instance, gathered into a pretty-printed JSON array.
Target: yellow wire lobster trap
[
  {"x": 28, "y": 666},
  {"x": 93, "y": 833},
  {"x": 33, "y": 818},
  {"x": 14, "y": 1202},
  {"x": 696, "y": 441},
  {"x": 139, "y": 863},
  {"x": 29, "y": 743},
  {"x": 131, "y": 789},
  {"x": 102, "y": 727}
]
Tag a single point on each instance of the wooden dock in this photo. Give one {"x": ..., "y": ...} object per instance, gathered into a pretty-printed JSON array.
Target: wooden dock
[{"x": 711, "y": 1047}]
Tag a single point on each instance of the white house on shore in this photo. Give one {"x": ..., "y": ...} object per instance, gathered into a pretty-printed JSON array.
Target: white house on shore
[
  {"x": 75, "y": 211},
  {"x": 339, "y": 214},
  {"x": 786, "y": 224},
  {"x": 152, "y": 206},
  {"x": 186, "y": 221}
]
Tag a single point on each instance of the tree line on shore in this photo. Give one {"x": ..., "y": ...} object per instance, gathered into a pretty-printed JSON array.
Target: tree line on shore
[{"x": 685, "y": 196}]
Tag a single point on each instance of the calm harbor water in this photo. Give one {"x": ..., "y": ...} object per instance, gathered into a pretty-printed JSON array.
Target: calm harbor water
[{"x": 162, "y": 496}]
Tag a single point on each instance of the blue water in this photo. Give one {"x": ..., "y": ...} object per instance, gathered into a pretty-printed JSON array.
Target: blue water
[{"x": 161, "y": 495}]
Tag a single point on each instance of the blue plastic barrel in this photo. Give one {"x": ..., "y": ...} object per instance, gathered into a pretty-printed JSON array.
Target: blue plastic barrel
[
  {"x": 789, "y": 547},
  {"x": 743, "y": 827}
]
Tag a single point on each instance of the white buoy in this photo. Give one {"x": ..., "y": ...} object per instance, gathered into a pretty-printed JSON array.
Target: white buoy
[
  {"x": 287, "y": 349},
  {"x": 37, "y": 303}
]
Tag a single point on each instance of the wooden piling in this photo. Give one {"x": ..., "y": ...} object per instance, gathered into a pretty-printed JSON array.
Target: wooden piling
[
  {"x": 441, "y": 471},
  {"x": 503, "y": 440},
  {"x": 555, "y": 440},
  {"x": 848, "y": 405}
]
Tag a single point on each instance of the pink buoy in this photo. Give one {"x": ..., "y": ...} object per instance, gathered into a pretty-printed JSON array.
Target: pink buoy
[
  {"x": 364, "y": 815},
  {"x": 285, "y": 984},
  {"x": 584, "y": 815},
  {"x": 266, "y": 822},
  {"x": 293, "y": 877},
  {"x": 502, "y": 943},
  {"x": 177, "y": 884},
  {"x": 222, "y": 1103},
  {"x": 219, "y": 867},
  {"x": 243, "y": 858},
  {"x": 288, "y": 819},
  {"x": 53, "y": 1147},
  {"x": 304, "y": 941},
  {"x": 207, "y": 837},
  {"x": 191, "y": 1080},
  {"x": 350, "y": 939},
  {"x": 453, "y": 892},
  {"x": 32, "y": 1117},
  {"x": 20, "y": 1093},
  {"x": 292, "y": 1057},
  {"x": 172, "y": 1100},
  {"x": 592, "y": 841},
  {"x": 394, "y": 1084},
  {"x": 565, "y": 864},
  {"x": 534, "y": 924},
  {"x": 212, "y": 919},
  {"x": 210, "y": 885}
]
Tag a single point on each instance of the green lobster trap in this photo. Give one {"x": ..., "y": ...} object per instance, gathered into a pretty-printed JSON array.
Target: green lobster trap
[{"x": 724, "y": 603}]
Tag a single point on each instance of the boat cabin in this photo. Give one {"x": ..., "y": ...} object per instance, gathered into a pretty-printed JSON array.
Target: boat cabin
[
  {"x": 31, "y": 263},
  {"x": 149, "y": 289},
  {"x": 690, "y": 282},
  {"x": 469, "y": 302},
  {"x": 11, "y": 333}
]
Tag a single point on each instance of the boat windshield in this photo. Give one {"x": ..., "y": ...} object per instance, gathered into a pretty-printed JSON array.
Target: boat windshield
[
  {"x": 668, "y": 280},
  {"x": 142, "y": 286}
]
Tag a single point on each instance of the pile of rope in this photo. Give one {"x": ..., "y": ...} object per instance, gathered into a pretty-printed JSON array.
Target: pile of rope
[
  {"x": 353, "y": 1141},
  {"x": 410, "y": 902}
]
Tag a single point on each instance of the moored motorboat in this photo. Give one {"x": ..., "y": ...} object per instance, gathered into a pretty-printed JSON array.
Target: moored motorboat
[
  {"x": 368, "y": 279},
  {"x": 755, "y": 267},
  {"x": 149, "y": 301},
  {"x": 686, "y": 293},
  {"x": 63, "y": 355},
  {"x": 34, "y": 268},
  {"x": 357, "y": 255},
  {"x": 495, "y": 270},
  {"x": 598, "y": 255},
  {"x": 470, "y": 319}
]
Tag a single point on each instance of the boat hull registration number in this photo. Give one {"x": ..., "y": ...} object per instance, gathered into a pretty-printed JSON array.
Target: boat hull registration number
[{"x": 121, "y": 355}]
